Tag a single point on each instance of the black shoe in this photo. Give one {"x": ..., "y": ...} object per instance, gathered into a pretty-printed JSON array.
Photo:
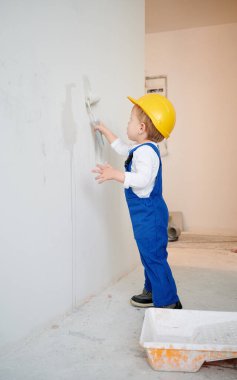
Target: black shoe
[
  {"x": 176, "y": 305},
  {"x": 142, "y": 300}
]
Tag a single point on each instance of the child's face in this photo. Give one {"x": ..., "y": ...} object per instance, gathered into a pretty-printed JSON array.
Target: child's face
[{"x": 134, "y": 126}]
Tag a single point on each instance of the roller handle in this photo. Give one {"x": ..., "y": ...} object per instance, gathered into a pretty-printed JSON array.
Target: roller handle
[{"x": 98, "y": 134}]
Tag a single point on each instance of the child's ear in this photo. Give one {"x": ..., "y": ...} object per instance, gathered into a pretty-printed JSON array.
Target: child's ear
[{"x": 143, "y": 127}]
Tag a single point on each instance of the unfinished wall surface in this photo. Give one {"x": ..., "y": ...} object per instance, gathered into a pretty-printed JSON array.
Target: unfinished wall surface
[
  {"x": 200, "y": 171},
  {"x": 63, "y": 237}
]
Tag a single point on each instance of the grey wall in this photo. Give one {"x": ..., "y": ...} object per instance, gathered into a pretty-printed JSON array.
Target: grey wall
[{"x": 63, "y": 237}]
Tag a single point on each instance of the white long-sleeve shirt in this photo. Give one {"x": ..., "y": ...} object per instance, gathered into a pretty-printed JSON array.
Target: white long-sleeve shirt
[{"x": 144, "y": 169}]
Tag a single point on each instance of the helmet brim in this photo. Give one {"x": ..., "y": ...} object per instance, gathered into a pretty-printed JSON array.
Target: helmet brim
[{"x": 134, "y": 101}]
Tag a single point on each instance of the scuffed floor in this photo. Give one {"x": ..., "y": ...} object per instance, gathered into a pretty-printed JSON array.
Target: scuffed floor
[{"x": 100, "y": 341}]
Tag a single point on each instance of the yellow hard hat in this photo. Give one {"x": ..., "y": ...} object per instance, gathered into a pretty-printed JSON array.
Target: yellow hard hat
[{"x": 159, "y": 109}]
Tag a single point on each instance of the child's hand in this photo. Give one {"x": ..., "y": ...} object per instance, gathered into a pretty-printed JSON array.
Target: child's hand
[
  {"x": 110, "y": 136},
  {"x": 107, "y": 172},
  {"x": 100, "y": 127}
]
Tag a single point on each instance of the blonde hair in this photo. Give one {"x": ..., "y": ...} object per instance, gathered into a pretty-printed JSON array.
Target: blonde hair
[{"x": 152, "y": 133}]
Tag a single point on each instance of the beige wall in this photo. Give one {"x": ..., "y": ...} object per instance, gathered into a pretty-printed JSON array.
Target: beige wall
[
  {"x": 200, "y": 172},
  {"x": 164, "y": 15}
]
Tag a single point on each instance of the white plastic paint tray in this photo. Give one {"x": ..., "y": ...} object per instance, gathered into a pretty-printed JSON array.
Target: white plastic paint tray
[{"x": 182, "y": 340}]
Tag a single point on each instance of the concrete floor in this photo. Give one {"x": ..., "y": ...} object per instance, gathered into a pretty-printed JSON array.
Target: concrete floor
[{"x": 100, "y": 341}]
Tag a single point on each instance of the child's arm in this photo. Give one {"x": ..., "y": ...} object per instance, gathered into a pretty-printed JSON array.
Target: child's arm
[
  {"x": 106, "y": 172},
  {"x": 118, "y": 145}
]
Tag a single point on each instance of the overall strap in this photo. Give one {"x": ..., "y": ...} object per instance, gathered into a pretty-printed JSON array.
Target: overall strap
[{"x": 128, "y": 161}]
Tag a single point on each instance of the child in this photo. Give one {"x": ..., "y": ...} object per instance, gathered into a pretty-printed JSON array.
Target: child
[{"x": 152, "y": 119}]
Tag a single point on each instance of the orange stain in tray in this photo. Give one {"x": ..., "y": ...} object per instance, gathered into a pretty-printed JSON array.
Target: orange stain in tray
[{"x": 171, "y": 356}]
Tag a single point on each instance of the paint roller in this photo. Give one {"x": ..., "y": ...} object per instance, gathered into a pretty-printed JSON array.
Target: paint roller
[
  {"x": 93, "y": 121},
  {"x": 90, "y": 102}
]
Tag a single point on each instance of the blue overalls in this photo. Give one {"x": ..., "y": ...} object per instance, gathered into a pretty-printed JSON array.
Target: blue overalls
[{"x": 149, "y": 218}]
